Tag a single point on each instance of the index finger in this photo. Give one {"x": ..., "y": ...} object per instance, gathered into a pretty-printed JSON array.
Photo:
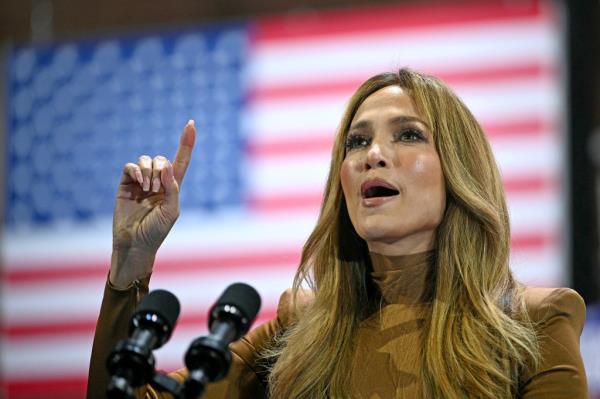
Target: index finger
[{"x": 184, "y": 151}]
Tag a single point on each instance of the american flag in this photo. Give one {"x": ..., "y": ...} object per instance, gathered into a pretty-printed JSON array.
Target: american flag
[{"x": 267, "y": 95}]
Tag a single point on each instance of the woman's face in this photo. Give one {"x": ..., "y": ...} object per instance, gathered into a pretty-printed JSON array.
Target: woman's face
[{"x": 391, "y": 176}]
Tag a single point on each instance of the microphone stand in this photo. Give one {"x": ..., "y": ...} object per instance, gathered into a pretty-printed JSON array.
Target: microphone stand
[
  {"x": 163, "y": 383},
  {"x": 120, "y": 387},
  {"x": 208, "y": 360}
]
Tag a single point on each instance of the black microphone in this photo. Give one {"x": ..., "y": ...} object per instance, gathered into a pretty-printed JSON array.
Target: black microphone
[
  {"x": 131, "y": 363},
  {"x": 208, "y": 358}
]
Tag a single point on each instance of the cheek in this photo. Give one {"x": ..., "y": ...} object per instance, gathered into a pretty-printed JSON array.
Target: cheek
[
  {"x": 427, "y": 169},
  {"x": 438, "y": 186},
  {"x": 423, "y": 164},
  {"x": 346, "y": 177},
  {"x": 427, "y": 174}
]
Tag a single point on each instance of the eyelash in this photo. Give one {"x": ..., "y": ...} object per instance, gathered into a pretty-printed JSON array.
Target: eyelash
[{"x": 354, "y": 141}]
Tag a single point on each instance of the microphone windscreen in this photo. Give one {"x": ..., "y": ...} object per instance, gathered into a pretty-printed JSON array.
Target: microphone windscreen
[
  {"x": 242, "y": 296},
  {"x": 162, "y": 303}
]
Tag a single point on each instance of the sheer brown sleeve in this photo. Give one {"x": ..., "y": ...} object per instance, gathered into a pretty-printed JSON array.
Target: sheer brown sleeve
[
  {"x": 559, "y": 314},
  {"x": 113, "y": 325}
]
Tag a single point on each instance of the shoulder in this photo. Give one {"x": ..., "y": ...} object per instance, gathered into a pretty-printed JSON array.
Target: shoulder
[
  {"x": 558, "y": 315},
  {"x": 545, "y": 305},
  {"x": 291, "y": 306},
  {"x": 259, "y": 338},
  {"x": 247, "y": 350}
]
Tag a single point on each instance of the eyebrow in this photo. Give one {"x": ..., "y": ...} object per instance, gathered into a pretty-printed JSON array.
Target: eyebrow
[{"x": 394, "y": 121}]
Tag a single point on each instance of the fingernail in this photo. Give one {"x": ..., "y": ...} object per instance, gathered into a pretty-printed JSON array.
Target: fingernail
[
  {"x": 138, "y": 176},
  {"x": 191, "y": 122},
  {"x": 146, "y": 186},
  {"x": 156, "y": 184}
]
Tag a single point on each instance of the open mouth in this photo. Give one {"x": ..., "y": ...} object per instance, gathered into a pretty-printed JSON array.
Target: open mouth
[
  {"x": 378, "y": 188},
  {"x": 379, "y": 191}
]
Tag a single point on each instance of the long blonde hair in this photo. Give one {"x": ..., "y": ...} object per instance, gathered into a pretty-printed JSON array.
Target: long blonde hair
[{"x": 478, "y": 337}]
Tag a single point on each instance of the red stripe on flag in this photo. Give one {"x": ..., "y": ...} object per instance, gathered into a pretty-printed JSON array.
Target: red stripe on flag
[
  {"x": 533, "y": 241},
  {"x": 33, "y": 271},
  {"x": 519, "y": 242},
  {"x": 312, "y": 201},
  {"x": 75, "y": 386},
  {"x": 51, "y": 388},
  {"x": 63, "y": 328},
  {"x": 297, "y": 145},
  {"x": 527, "y": 128},
  {"x": 500, "y": 73},
  {"x": 286, "y": 202},
  {"x": 361, "y": 20},
  {"x": 344, "y": 88},
  {"x": 304, "y": 144},
  {"x": 526, "y": 184}
]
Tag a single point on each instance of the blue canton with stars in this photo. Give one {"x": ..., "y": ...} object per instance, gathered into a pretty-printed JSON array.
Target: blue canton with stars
[{"x": 78, "y": 112}]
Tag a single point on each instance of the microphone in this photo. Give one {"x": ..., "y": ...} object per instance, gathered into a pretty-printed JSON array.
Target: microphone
[
  {"x": 208, "y": 358},
  {"x": 131, "y": 363}
]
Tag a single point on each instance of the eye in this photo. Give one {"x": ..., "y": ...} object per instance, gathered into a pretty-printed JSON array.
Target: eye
[
  {"x": 355, "y": 141},
  {"x": 409, "y": 135}
]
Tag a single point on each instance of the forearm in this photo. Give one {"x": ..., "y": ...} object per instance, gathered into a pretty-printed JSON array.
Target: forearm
[{"x": 113, "y": 323}]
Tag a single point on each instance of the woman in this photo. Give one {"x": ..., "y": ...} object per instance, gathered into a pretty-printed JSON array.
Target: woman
[{"x": 408, "y": 265}]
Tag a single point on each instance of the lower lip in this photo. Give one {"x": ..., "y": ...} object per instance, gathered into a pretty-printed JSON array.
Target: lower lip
[{"x": 376, "y": 201}]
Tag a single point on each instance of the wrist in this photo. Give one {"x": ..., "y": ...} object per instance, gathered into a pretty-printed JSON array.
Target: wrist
[{"x": 128, "y": 266}]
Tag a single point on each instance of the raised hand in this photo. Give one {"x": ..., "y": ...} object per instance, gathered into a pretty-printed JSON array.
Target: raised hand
[{"x": 146, "y": 208}]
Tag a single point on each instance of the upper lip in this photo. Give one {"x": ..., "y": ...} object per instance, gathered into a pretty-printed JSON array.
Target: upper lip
[{"x": 376, "y": 182}]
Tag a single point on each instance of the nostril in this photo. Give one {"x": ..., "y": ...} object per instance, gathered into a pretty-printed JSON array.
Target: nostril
[{"x": 378, "y": 164}]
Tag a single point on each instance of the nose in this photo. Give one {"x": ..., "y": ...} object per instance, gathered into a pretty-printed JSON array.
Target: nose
[{"x": 375, "y": 157}]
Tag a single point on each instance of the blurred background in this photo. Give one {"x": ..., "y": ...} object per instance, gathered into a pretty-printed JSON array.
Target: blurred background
[{"x": 87, "y": 86}]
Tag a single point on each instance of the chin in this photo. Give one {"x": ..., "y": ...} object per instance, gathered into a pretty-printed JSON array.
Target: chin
[
  {"x": 374, "y": 230},
  {"x": 386, "y": 231}
]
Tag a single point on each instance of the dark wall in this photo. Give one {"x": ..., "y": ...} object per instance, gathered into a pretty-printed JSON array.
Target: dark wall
[
  {"x": 584, "y": 104},
  {"x": 72, "y": 18}
]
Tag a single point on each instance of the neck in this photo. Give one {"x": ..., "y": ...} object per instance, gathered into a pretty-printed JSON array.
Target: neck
[
  {"x": 404, "y": 278},
  {"x": 421, "y": 241}
]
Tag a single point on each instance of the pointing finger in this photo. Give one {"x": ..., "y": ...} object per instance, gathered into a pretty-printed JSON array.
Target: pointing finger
[
  {"x": 184, "y": 151},
  {"x": 169, "y": 183},
  {"x": 170, "y": 206}
]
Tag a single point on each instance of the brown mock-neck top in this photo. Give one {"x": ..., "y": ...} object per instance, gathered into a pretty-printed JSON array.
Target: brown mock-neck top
[
  {"x": 389, "y": 342},
  {"x": 387, "y": 359},
  {"x": 403, "y": 279}
]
